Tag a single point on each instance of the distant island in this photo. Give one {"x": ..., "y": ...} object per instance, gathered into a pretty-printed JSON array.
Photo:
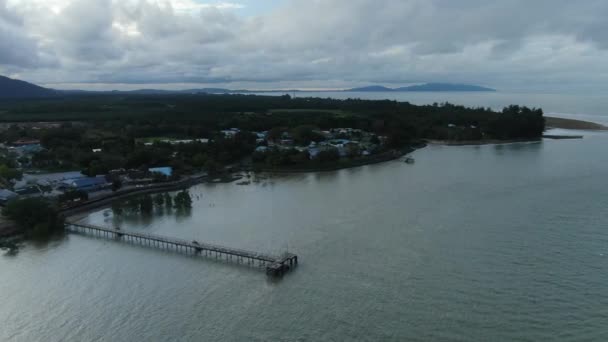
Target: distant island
[
  {"x": 427, "y": 87},
  {"x": 430, "y": 87},
  {"x": 16, "y": 89}
]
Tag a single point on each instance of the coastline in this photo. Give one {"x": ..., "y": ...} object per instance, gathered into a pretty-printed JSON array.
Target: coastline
[
  {"x": 82, "y": 209},
  {"x": 480, "y": 142},
  {"x": 8, "y": 229},
  {"x": 377, "y": 159},
  {"x": 157, "y": 188},
  {"x": 555, "y": 122},
  {"x": 552, "y": 123}
]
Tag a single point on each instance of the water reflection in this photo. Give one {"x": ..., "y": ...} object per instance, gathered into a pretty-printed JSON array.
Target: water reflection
[
  {"x": 10, "y": 248},
  {"x": 145, "y": 209}
]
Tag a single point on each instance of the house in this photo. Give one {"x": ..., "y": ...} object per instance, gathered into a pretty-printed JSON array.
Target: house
[
  {"x": 230, "y": 133},
  {"x": 117, "y": 172},
  {"x": 28, "y": 190},
  {"x": 44, "y": 180},
  {"x": 261, "y": 135},
  {"x": 87, "y": 184},
  {"x": 165, "y": 170},
  {"x": 313, "y": 152},
  {"x": 185, "y": 141},
  {"x": 339, "y": 142},
  {"x": 26, "y": 142},
  {"x": 261, "y": 149},
  {"x": 6, "y": 195},
  {"x": 28, "y": 149},
  {"x": 327, "y": 134}
]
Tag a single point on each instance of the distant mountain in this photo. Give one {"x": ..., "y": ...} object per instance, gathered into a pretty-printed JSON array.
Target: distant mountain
[
  {"x": 10, "y": 88},
  {"x": 151, "y": 91},
  {"x": 427, "y": 87},
  {"x": 371, "y": 88},
  {"x": 444, "y": 87},
  {"x": 208, "y": 91}
]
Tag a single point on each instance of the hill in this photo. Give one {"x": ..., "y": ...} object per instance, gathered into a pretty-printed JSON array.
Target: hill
[
  {"x": 10, "y": 89},
  {"x": 444, "y": 87},
  {"x": 426, "y": 87},
  {"x": 372, "y": 88}
]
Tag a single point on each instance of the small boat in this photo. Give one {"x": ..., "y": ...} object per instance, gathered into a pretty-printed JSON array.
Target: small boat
[{"x": 409, "y": 160}]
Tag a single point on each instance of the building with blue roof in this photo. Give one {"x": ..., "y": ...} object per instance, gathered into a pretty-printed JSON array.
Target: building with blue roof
[
  {"x": 166, "y": 170},
  {"x": 87, "y": 184}
]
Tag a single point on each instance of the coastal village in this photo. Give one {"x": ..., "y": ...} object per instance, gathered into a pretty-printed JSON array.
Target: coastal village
[
  {"x": 72, "y": 155},
  {"x": 70, "y": 188}
]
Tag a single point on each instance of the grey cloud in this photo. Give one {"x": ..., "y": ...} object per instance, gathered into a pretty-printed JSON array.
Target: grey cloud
[
  {"x": 16, "y": 49},
  {"x": 386, "y": 41},
  {"x": 84, "y": 31}
]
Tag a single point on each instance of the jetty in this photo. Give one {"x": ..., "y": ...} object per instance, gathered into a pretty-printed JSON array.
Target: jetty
[{"x": 273, "y": 264}]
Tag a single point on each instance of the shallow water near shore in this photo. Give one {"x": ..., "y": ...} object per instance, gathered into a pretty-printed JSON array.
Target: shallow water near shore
[{"x": 470, "y": 243}]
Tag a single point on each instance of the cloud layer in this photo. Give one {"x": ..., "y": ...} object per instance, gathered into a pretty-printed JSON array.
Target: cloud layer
[{"x": 306, "y": 43}]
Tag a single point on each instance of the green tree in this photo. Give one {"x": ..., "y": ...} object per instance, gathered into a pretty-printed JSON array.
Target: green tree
[
  {"x": 116, "y": 184},
  {"x": 117, "y": 208},
  {"x": 304, "y": 134},
  {"x": 159, "y": 200},
  {"x": 9, "y": 173},
  {"x": 275, "y": 133},
  {"x": 35, "y": 216},
  {"x": 183, "y": 200},
  {"x": 146, "y": 204},
  {"x": 212, "y": 167},
  {"x": 168, "y": 201},
  {"x": 329, "y": 155},
  {"x": 199, "y": 160}
]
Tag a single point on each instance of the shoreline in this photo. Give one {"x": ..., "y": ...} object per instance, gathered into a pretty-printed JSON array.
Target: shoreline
[
  {"x": 159, "y": 188},
  {"x": 573, "y": 124},
  {"x": 8, "y": 230},
  {"x": 80, "y": 211},
  {"x": 481, "y": 142},
  {"x": 380, "y": 158}
]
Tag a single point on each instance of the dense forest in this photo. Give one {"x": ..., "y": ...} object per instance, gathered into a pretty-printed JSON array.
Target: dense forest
[{"x": 116, "y": 126}]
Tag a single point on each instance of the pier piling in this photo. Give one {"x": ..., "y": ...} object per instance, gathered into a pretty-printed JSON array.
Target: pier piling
[{"x": 275, "y": 265}]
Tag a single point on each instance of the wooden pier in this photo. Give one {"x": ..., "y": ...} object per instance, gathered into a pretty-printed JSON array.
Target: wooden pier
[{"x": 274, "y": 265}]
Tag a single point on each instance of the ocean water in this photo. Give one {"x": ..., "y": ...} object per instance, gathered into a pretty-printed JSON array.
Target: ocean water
[{"x": 470, "y": 243}]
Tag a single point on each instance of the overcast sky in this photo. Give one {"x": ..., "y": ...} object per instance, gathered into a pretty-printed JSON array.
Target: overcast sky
[{"x": 265, "y": 44}]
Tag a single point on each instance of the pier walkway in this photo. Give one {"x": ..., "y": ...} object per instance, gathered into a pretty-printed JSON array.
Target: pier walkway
[{"x": 274, "y": 265}]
